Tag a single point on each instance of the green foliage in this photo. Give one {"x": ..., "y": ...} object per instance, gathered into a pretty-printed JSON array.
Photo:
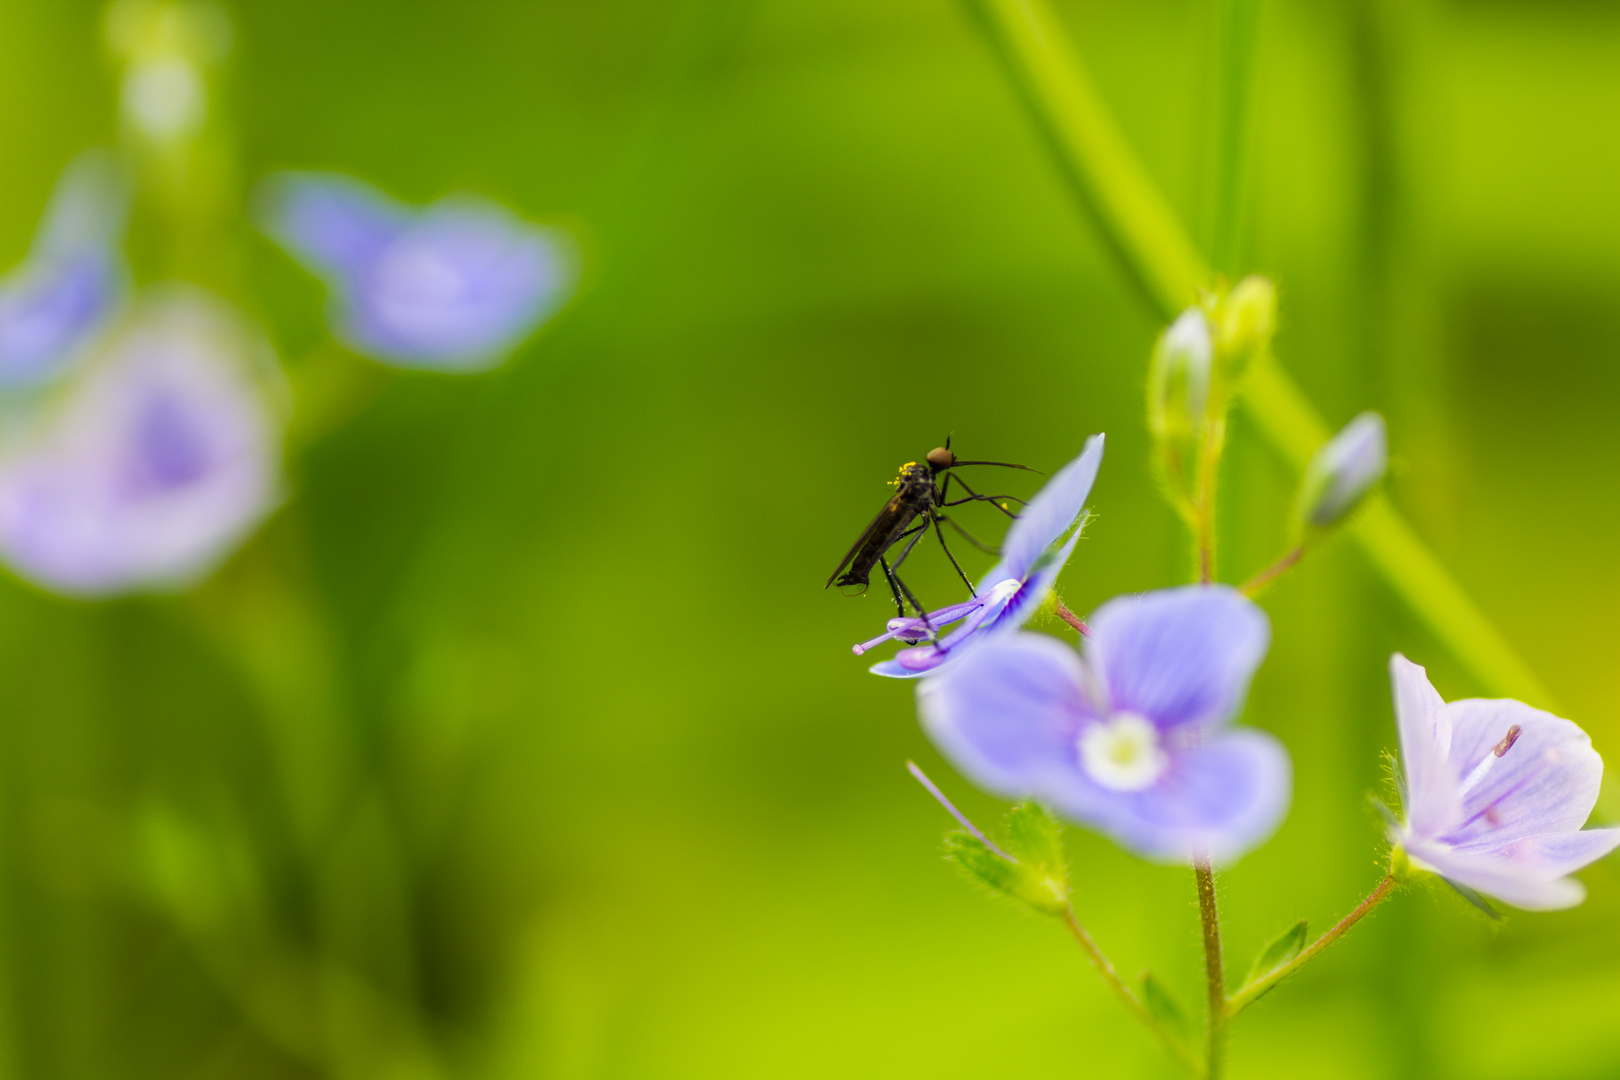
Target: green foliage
[
  {"x": 1035, "y": 875},
  {"x": 1282, "y": 949},
  {"x": 1162, "y": 1004},
  {"x": 1035, "y": 838}
]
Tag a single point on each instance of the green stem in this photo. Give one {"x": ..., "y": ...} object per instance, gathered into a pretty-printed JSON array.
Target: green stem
[
  {"x": 1209, "y": 469},
  {"x": 1250, "y": 993},
  {"x": 1154, "y": 249},
  {"x": 1262, "y": 581},
  {"x": 1217, "y": 1016},
  {"x": 1237, "y": 26},
  {"x": 1111, "y": 978},
  {"x": 1092, "y": 152}
]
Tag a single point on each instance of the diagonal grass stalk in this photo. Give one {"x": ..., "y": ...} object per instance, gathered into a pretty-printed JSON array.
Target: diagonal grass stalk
[{"x": 1154, "y": 248}]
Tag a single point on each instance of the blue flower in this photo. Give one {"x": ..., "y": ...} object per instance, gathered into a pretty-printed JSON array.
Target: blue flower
[
  {"x": 1134, "y": 739},
  {"x": 1495, "y": 794},
  {"x": 1012, "y": 591},
  {"x": 53, "y": 304},
  {"x": 453, "y": 287},
  {"x": 152, "y": 465}
]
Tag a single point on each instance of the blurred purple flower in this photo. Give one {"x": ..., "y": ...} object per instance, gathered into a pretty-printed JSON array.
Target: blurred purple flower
[
  {"x": 1014, "y": 588},
  {"x": 1496, "y": 793},
  {"x": 1134, "y": 739},
  {"x": 54, "y": 302},
  {"x": 453, "y": 287},
  {"x": 154, "y": 463}
]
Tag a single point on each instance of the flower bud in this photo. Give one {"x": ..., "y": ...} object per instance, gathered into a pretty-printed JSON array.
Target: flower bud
[
  {"x": 1245, "y": 320},
  {"x": 1178, "y": 379},
  {"x": 1343, "y": 472}
]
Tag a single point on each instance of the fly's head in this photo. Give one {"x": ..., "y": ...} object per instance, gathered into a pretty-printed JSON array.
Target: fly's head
[{"x": 940, "y": 458}]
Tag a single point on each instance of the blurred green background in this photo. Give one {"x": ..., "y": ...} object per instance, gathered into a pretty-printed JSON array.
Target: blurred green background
[{"x": 524, "y": 741}]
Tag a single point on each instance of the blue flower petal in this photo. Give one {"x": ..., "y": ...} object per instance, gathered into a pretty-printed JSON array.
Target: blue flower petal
[
  {"x": 460, "y": 288},
  {"x": 1531, "y": 874},
  {"x": 48, "y": 311},
  {"x": 73, "y": 280},
  {"x": 1546, "y": 782},
  {"x": 152, "y": 465},
  {"x": 1051, "y": 513},
  {"x": 1007, "y": 713},
  {"x": 1432, "y": 805},
  {"x": 1221, "y": 799},
  {"x": 336, "y": 225},
  {"x": 1179, "y": 656},
  {"x": 454, "y": 287}
]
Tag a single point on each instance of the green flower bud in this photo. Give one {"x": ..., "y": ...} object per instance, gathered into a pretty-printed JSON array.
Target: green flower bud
[
  {"x": 1343, "y": 472},
  {"x": 1245, "y": 320}
]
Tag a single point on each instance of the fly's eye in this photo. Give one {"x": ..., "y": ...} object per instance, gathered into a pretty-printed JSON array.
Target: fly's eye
[{"x": 940, "y": 458}]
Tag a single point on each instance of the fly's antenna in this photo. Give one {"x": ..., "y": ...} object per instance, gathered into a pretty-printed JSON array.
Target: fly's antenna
[{"x": 1003, "y": 464}]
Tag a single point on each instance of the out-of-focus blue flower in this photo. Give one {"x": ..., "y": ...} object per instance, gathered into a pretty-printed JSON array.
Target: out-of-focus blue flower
[
  {"x": 454, "y": 287},
  {"x": 53, "y": 303},
  {"x": 1134, "y": 739},
  {"x": 1495, "y": 794},
  {"x": 153, "y": 464},
  {"x": 1012, "y": 591}
]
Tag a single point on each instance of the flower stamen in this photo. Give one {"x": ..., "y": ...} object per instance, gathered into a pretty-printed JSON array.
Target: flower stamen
[{"x": 1478, "y": 774}]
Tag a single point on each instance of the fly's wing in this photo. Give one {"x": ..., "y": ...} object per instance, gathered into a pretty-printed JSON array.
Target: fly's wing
[{"x": 879, "y": 523}]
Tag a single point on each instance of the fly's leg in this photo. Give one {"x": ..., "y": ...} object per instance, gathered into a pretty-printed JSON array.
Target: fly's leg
[
  {"x": 974, "y": 496},
  {"x": 908, "y": 532},
  {"x": 969, "y": 537},
  {"x": 917, "y": 529},
  {"x": 988, "y": 499},
  {"x": 900, "y": 587},
  {"x": 888, "y": 574},
  {"x": 941, "y": 534}
]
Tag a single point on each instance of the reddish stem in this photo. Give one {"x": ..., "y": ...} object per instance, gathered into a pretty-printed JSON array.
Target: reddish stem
[{"x": 1071, "y": 618}]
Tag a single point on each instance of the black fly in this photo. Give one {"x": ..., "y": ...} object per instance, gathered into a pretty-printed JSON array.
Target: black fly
[{"x": 919, "y": 493}]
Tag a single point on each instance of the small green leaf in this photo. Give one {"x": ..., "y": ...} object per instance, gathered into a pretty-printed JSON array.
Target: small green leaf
[
  {"x": 1288, "y": 945},
  {"x": 1034, "y": 837},
  {"x": 1156, "y": 996},
  {"x": 979, "y": 862},
  {"x": 1025, "y": 882}
]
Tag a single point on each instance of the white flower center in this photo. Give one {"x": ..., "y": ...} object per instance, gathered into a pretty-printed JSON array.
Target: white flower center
[{"x": 1122, "y": 753}]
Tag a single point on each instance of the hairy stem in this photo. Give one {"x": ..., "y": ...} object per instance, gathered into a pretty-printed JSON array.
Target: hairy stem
[
  {"x": 1111, "y": 978},
  {"x": 1214, "y": 972},
  {"x": 1248, "y": 994},
  {"x": 1261, "y": 581},
  {"x": 1209, "y": 470},
  {"x": 1071, "y": 618}
]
